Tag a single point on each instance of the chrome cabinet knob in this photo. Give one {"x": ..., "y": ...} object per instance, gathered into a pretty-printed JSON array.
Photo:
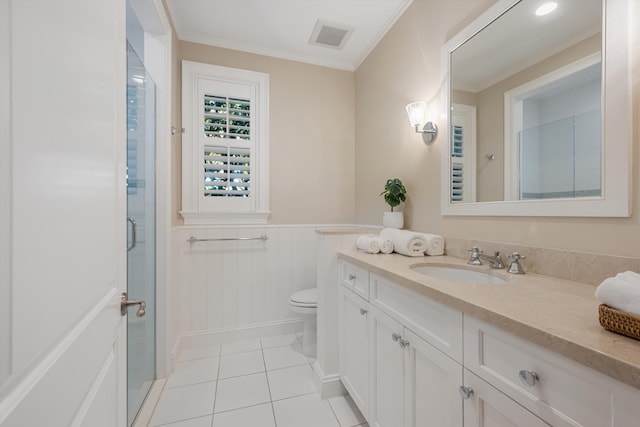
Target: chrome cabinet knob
[
  {"x": 352, "y": 277},
  {"x": 396, "y": 336},
  {"x": 465, "y": 392},
  {"x": 404, "y": 343},
  {"x": 529, "y": 378},
  {"x": 363, "y": 311}
]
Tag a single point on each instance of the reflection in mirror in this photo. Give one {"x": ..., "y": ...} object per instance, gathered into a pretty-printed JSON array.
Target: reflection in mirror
[{"x": 526, "y": 120}]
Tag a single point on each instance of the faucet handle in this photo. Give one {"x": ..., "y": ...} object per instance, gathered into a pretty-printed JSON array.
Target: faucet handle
[
  {"x": 515, "y": 267},
  {"x": 474, "y": 259}
]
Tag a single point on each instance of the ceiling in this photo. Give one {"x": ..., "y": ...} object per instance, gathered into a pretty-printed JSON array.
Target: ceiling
[{"x": 283, "y": 28}]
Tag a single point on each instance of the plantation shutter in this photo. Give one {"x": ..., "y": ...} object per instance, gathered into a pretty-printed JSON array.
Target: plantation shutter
[{"x": 227, "y": 147}]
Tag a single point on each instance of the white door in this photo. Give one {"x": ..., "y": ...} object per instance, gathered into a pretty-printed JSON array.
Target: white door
[
  {"x": 354, "y": 347},
  {"x": 387, "y": 370},
  {"x": 485, "y": 406},
  {"x": 62, "y": 213},
  {"x": 431, "y": 382}
]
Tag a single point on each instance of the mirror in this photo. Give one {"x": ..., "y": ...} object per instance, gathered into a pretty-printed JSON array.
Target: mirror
[{"x": 531, "y": 118}]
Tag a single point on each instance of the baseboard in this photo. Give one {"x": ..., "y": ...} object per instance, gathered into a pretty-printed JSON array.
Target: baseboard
[
  {"x": 221, "y": 336},
  {"x": 327, "y": 385}
]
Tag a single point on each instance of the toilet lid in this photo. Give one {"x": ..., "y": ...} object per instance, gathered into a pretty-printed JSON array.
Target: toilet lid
[{"x": 307, "y": 297}]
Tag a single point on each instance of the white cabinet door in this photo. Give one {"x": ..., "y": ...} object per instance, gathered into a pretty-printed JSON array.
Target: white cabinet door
[
  {"x": 62, "y": 213},
  {"x": 487, "y": 407},
  {"x": 431, "y": 386},
  {"x": 387, "y": 370},
  {"x": 354, "y": 347}
]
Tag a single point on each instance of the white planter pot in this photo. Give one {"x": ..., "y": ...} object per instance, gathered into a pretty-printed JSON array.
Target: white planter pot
[{"x": 393, "y": 220}]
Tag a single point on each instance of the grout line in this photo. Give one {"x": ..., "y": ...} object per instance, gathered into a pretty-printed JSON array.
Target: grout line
[{"x": 264, "y": 362}]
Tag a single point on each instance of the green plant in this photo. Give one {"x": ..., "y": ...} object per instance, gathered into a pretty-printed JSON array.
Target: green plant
[{"x": 394, "y": 192}]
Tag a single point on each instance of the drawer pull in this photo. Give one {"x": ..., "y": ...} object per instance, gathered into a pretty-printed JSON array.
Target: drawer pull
[
  {"x": 363, "y": 311},
  {"x": 404, "y": 343},
  {"x": 465, "y": 392},
  {"x": 395, "y": 336},
  {"x": 352, "y": 277},
  {"x": 529, "y": 378}
]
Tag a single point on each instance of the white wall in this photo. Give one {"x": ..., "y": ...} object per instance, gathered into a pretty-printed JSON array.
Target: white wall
[{"x": 228, "y": 285}]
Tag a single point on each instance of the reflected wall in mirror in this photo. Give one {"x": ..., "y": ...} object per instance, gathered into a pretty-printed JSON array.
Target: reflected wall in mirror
[{"x": 526, "y": 110}]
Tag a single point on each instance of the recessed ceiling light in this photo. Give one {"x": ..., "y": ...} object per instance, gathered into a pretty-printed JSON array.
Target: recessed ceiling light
[{"x": 546, "y": 8}]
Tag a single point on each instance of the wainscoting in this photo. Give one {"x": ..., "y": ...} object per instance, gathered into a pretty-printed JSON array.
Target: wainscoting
[{"x": 226, "y": 290}]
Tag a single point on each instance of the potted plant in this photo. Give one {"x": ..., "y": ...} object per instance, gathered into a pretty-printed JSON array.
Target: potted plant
[{"x": 394, "y": 193}]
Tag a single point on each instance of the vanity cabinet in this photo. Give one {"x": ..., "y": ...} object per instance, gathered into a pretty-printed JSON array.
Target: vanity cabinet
[
  {"x": 402, "y": 361},
  {"x": 388, "y": 361}
]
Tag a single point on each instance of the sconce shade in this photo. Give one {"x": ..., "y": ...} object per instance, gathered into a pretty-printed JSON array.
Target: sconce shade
[{"x": 415, "y": 110}]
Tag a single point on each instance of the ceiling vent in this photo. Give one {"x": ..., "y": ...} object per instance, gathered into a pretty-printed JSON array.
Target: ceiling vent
[{"x": 330, "y": 34}]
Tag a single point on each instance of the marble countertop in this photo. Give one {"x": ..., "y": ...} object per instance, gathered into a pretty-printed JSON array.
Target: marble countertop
[{"x": 559, "y": 315}]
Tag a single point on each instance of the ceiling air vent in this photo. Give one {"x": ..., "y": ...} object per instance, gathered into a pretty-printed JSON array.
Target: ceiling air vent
[{"x": 330, "y": 34}]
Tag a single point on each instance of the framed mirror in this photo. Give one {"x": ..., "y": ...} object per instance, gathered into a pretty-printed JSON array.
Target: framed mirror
[{"x": 538, "y": 107}]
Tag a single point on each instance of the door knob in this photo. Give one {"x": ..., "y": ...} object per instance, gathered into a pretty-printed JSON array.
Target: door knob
[{"x": 125, "y": 303}]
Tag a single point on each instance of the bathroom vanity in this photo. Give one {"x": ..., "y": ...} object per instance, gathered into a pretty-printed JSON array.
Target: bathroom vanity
[{"x": 415, "y": 350}]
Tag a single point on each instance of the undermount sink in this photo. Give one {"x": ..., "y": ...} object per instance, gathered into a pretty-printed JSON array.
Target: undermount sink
[{"x": 458, "y": 274}]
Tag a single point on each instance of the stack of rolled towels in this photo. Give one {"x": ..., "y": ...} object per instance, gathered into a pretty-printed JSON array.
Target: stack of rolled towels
[
  {"x": 621, "y": 292},
  {"x": 405, "y": 242}
]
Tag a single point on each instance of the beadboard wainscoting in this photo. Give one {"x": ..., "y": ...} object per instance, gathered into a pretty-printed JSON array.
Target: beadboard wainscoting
[{"x": 238, "y": 289}]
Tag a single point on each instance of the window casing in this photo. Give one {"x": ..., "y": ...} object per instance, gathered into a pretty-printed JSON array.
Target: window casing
[{"x": 225, "y": 145}]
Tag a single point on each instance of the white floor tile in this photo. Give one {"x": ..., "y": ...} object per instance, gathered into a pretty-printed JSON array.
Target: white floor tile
[
  {"x": 346, "y": 411},
  {"x": 279, "y": 341},
  {"x": 308, "y": 411},
  {"x": 234, "y": 365},
  {"x": 199, "y": 352},
  {"x": 193, "y": 422},
  {"x": 182, "y": 403},
  {"x": 290, "y": 382},
  {"x": 240, "y": 392},
  {"x": 193, "y": 372},
  {"x": 283, "y": 357},
  {"x": 241, "y": 346},
  {"x": 253, "y": 416}
]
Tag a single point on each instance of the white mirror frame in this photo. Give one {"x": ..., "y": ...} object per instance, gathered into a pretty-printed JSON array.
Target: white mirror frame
[{"x": 619, "y": 18}]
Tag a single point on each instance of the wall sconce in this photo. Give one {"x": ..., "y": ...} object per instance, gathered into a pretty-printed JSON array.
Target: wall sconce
[{"x": 415, "y": 110}]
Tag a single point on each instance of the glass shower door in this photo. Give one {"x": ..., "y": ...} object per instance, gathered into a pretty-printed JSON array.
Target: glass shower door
[{"x": 141, "y": 214}]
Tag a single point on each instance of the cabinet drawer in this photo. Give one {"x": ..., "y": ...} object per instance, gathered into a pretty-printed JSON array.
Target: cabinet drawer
[
  {"x": 355, "y": 278},
  {"x": 559, "y": 391},
  {"x": 439, "y": 325}
]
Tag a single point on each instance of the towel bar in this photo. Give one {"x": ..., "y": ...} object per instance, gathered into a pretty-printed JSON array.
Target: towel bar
[{"x": 194, "y": 240}]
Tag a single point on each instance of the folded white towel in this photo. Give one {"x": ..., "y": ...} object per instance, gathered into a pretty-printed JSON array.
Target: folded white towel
[
  {"x": 368, "y": 244},
  {"x": 435, "y": 244},
  {"x": 621, "y": 292},
  {"x": 405, "y": 242}
]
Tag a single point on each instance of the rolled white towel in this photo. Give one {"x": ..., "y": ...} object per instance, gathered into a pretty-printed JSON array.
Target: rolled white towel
[
  {"x": 621, "y": 292},
  {"x": 386, "y": 245},
  {"x": 435, "y": 244},
  {"x": 405, "y": 242},
  {"x": 368, "y": 244}
]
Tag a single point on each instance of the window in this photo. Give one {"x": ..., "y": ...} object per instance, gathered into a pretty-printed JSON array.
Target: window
[{"x": 224, "y": 147}]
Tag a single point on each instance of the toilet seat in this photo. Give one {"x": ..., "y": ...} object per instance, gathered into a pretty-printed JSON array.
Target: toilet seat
[{"x": 307, "y": 298}]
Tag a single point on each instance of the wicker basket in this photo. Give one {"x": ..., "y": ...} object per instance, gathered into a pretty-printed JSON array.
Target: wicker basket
[{"x": 619, "y": 321}]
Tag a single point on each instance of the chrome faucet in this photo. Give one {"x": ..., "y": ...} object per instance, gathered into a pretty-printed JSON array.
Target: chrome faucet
[
  {"x": 515, "y": 267},
  {"x": 476, "y": 258}
]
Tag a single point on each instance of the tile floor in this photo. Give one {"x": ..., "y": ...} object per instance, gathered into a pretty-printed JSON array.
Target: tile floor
[{"x": 255, "y": 383}]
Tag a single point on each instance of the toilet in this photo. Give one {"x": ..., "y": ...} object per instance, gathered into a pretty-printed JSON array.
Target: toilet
[{"x": 305, "y": 304}]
